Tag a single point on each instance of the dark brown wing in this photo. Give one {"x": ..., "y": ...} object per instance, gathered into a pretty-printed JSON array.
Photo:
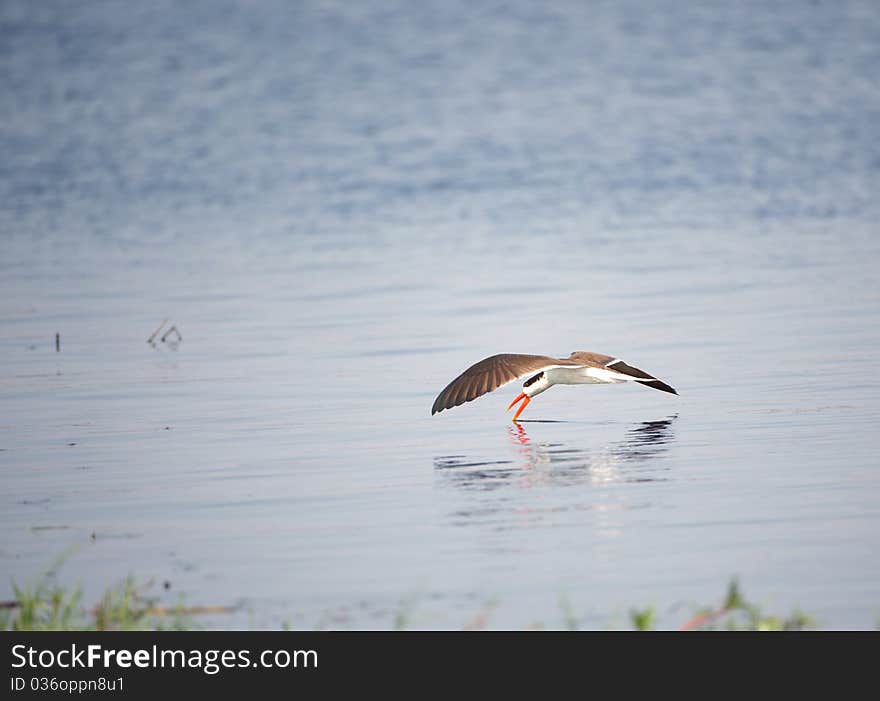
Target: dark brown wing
[
  {"x": 490, "y": 374},
  {"x": 594, "y": 360},
  {"x": 643, "y": 378}
]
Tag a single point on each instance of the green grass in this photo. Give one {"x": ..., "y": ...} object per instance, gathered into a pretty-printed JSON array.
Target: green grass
[
  {"x": 48, "y": 605},
  {"x": 643, "y": 619},
  {"x": 569, "y": 617},
  {"x": 737, "y": 613}
]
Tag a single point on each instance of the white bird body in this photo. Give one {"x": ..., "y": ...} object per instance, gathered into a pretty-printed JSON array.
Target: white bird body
[{"x": 563, "y": 375}]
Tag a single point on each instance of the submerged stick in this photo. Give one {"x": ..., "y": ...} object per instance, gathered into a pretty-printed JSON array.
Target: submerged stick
[
  {"x": 169, "y": 331},
  {"x": 703, "y": 618},
  {"x": 156, "y": 332},
  {"x": 187, "y": 610}
]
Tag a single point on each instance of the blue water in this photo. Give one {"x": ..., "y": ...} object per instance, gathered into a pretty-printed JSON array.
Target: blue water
[{"x": 341, "y": 206}]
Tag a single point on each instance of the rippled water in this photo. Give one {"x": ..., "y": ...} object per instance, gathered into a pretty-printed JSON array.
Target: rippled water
[{"x": 341, "y": 207}]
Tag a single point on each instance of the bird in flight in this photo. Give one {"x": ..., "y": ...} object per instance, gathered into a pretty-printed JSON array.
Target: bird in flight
[{"x": 543, "y": 372}]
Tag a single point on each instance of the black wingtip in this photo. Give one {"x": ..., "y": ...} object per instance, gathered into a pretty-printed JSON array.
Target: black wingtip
[{"x": 658, "y": 384}]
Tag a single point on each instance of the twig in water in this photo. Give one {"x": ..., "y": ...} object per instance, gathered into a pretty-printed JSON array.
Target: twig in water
[
  {"x": 188, "y": 610},
  {"x": 168, "y": 333},
  {"x": 156, "y": 332},
  {"x": 734, "y": 601},
  {"x": 703, "y": 618}
]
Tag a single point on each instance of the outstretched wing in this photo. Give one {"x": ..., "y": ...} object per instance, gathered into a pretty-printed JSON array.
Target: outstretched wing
[
  {"x": 607, "y": 368},
  {"x": 639, "y": 376},
  {"x": 490, "y": 374}
]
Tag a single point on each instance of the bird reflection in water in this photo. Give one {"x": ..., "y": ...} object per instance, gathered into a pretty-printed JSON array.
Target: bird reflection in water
[{"x": 630, "y": 459}]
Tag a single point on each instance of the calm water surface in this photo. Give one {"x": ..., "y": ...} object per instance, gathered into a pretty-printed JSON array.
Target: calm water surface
[{"x": 341, "y": 207}]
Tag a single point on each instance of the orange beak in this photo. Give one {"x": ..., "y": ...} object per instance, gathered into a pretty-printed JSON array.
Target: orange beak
[{"x": 521, "y": 406}]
